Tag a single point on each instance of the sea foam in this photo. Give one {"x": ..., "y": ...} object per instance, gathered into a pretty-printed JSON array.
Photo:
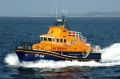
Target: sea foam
[{"x": 110, "y": 57}]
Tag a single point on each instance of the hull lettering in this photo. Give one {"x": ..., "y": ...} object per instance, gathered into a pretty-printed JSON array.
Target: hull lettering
[{"x": 40, "y": 56}]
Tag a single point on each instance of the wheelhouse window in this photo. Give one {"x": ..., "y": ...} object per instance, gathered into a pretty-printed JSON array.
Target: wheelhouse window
[
  {"x": 49, "y": 39},
  {"x": 45, "y": 39},
  {"x": 64, "y": 40},
  {"x": 61, "y": 40},
  {"x": 53, "y": 39},
  {"x": 41, "y": 38},
  {"x": 57, "y": 39},
  {"x": 73, "y": 41}
]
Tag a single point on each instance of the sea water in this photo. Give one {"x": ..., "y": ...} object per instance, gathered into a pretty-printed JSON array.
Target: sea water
[{"x": 103, "y": 31}]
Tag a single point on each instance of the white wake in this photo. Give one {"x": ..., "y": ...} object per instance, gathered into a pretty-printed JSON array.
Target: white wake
[{"x": 110, "y": 57}]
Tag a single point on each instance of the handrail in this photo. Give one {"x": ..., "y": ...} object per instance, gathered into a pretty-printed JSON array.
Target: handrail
[{"x": 87, "y": 54}]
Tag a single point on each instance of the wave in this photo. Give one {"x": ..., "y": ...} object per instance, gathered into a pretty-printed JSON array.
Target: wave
[
  {"x": 110, "y": 57},
  {"x": 111, "y": 53}
]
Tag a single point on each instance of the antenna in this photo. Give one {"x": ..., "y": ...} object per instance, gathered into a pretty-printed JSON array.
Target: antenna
[
  {"x": 64, "y": 15},
  {"x": 62, "y": 7},
  {"x": 67, "y": 14},
  {"x": 53, "y": 12},
  {"x": 62, "y": 21},
  {"x": 67, "y": 9},
  {"x": 56, "y": 11}
]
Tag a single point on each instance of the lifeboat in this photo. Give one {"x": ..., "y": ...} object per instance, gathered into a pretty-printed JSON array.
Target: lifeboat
[{"x": 59, "y": 44}]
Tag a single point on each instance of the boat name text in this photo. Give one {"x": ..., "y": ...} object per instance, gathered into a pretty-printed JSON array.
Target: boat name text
[{"x": 41, "y": 56}]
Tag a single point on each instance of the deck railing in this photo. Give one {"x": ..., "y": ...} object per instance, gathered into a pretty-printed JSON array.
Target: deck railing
[{"x": 74, "y": 33}]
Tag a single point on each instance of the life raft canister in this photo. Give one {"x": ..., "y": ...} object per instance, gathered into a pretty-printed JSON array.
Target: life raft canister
[
  {"x": 84, "y": 41},
  {"x": 97, "y": 48}
]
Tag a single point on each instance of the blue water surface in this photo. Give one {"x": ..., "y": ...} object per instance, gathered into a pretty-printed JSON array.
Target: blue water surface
[{"x": 102, "y": 31}]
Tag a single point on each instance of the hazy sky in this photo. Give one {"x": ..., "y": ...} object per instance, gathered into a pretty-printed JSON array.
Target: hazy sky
[{"x": 36, "y": 7}]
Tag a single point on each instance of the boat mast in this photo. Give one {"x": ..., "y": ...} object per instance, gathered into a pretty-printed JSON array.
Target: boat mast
[{"x": 64, "y": 20}]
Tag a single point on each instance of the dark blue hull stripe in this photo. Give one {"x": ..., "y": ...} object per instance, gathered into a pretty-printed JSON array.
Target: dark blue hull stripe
[{"x": 33, "y": 55}]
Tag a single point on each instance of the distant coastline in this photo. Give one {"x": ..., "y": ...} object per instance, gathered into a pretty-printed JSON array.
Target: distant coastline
[{"x": 87, "y": 14}]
